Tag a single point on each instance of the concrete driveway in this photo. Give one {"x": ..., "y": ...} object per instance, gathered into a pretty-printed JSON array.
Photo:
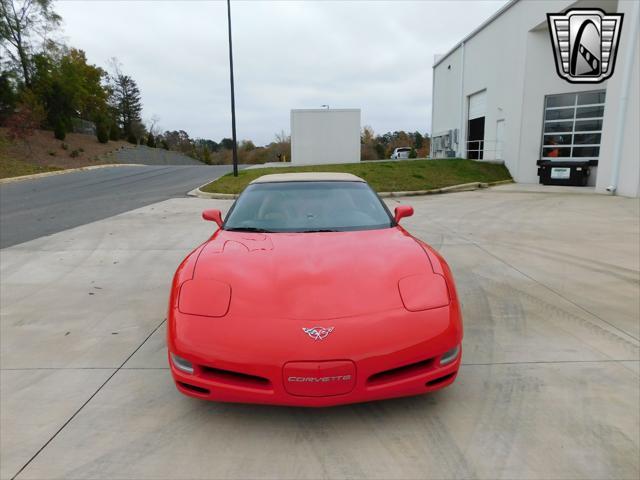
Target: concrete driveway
[{"x": 549, "y": 387}]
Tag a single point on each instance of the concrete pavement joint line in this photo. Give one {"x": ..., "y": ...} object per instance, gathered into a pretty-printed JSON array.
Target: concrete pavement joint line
[
  {"x": 35, "y": 176},
  {"x": 477, "y": 245},
  {"x": 87, "y": 401},
  {"x": 111, "y": 368},
  {"x": 56, "y": 368},
  {"x": 624, "y": 333},
  {"x": 548, "y": 362}
]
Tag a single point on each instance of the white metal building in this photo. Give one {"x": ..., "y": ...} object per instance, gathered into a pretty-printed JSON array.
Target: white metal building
[
  {"x": 325, "y": 136},
  {"x": 497, "y": 96}
]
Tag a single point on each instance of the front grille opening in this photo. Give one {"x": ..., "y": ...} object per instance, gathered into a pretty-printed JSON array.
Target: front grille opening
[
  {"x": 193, "y": 388},
  {"x": 401, "y": 373},
  {"x": 440, "y": 380},
  {"x": 235, "y": 378}
]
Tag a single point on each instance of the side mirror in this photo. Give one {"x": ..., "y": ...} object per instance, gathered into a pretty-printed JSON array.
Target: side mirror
[
  {"x": 213, "y": 216},
  {"x": 402, "y": 211}
]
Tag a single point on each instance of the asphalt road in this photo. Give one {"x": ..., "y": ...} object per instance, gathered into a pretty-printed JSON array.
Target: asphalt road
[{"x": 32, "y": 208}]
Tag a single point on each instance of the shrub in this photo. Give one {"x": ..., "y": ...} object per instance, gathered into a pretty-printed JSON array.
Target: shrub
[
  {"x": 74, "y": 153},
  {"x": 114, "y": 134},
  {"x": 102, "y": 132},
  {"x": 413, "y": 153},
  {"x": 59, "y": 131},
  {"x": 131, "y": 138},
  {"x": 151, "y": 141},
  {"x": 26, "y": 117},
  {"x": 52, "y": 153}
]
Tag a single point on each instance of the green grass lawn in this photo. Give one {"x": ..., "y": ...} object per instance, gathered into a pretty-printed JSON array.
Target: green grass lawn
[
  {"x": 384, "y": 176},
  {"x": 16, "y": 168}
]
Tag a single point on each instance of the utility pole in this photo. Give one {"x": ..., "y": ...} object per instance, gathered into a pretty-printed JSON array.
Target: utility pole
[{"x": 233, "y": 96}]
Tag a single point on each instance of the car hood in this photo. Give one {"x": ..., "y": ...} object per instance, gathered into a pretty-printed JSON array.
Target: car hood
[{"x": 312, "y": 275}]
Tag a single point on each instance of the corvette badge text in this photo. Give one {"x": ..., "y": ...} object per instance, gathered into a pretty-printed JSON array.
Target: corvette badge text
[
  {"x": 585, "y": 44},
  {"x": 336, "y": 378}
]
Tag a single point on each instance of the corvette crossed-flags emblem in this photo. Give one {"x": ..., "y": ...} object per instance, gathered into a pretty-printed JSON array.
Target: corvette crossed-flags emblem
[{"x": 318, "y": 333}]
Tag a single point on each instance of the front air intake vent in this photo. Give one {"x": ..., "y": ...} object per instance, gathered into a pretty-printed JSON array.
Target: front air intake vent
[
  {"x": 401, "y": 373},
  {"x": 235, "y": 378}
]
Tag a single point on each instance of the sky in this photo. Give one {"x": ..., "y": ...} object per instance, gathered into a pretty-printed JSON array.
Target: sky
[{"x": 372, "y": 55}]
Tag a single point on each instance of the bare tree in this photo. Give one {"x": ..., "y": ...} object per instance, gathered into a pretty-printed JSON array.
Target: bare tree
[
  {"x": 22, "y": 22},
  {"x": 154, "y": 127},
  {"x": 282, "y": 137}
]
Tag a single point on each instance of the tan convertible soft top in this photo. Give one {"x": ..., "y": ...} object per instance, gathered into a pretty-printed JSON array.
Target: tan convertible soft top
[{"x": 308, "y": 177}]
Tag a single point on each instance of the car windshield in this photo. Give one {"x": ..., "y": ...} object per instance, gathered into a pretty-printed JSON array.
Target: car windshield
[{"x": 308, "y": 207}]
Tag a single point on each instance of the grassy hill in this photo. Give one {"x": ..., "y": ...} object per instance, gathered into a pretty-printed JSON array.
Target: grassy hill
[
  {"x": 42, "y": 152},
  {"x": 384, "y": 176}
]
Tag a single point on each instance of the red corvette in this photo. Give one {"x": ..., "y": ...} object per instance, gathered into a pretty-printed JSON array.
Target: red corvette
[{"x": 311, "y": 294}]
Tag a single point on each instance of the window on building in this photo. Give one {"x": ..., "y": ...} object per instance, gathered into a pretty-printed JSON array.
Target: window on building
[{"x": 573, "y": 126}]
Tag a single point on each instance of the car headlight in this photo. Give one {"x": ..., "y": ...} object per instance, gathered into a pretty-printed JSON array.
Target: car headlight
[
  {"x": 182, "y": 364},
  {"x": 205, "y": 297},
  {"x": 450, "y": 356},
  {"x": 423, "y": 291}
]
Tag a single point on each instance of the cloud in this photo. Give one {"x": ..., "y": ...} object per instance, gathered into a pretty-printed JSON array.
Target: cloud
[{"x": 373, "y": 55}]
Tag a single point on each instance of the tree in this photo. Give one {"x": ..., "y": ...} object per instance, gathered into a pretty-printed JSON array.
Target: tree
[
  {"x": 137, "y": 131},
  {"x": 247, "y": 145},
  {"x": 126, "y": 101},
  {"x": 22, "y": 23},
  {"x": 205, "y": 156},
  {"x": 8, "y": 96},
  {"x": 151, "y": 141},
  {"x": 102, "y": 132},
  {"x": 114, "y": 133},
  {"x": 226, "y": 143},
  {"x": 69, "y": 88},
  {"x": 418, "y": 140}
]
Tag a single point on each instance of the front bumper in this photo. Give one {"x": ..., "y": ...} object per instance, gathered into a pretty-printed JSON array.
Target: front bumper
[
  {"x": 386, "y": 355},
  {"x": 227, "y": 387}
]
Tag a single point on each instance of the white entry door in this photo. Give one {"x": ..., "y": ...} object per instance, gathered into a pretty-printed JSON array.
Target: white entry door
[{"x": 499, "y": 138}]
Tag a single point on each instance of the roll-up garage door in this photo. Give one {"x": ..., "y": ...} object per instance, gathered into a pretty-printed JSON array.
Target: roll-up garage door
[{"x": 477, "y": 105}]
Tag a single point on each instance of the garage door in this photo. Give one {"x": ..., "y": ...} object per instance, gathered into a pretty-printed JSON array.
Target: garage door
[{"x": 477, "y": 105}]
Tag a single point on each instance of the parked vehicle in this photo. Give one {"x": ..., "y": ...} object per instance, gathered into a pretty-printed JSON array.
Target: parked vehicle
[
  {"x": 310, "y": 293},
  {"x": 401, "y": 153}
]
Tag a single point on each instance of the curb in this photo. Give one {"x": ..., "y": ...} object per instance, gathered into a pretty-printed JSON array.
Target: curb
[
  {"x": 463, "y": 187},
  {"x": 196, "y": 192},
  {"x": 65, "y": 170}
]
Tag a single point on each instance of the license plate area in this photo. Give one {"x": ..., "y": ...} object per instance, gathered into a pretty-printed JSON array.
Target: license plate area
[
  {"x": 560, "y": 173},
  {"x": 319, "y": 379}
]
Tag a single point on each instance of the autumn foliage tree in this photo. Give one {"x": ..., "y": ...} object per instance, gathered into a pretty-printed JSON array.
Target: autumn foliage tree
[{"x": 25, "y": 29}]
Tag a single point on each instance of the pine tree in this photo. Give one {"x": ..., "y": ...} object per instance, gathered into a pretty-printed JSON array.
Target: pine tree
[
  {"x": 127, "y": 102},
  {"x": 151, "y": 141}
]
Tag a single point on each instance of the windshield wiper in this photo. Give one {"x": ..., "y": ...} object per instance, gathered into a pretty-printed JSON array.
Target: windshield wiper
[
  {"x": 319, "y": 230},
  {"x": 248, "y": 229}
]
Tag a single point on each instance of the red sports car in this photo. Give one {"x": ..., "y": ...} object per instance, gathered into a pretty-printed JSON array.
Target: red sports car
[{"x": 311, "y": 294}]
